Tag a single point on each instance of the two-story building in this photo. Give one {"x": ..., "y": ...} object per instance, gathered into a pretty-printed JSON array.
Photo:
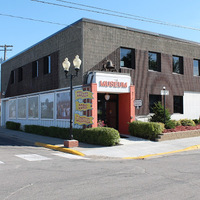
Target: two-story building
[{"x": 119, "y": 65}]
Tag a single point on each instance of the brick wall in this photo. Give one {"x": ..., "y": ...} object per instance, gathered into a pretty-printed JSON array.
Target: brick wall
[
  {"x": 102, "y": 42},
  {"x": 29, "y": 84},
  {"x": 67, "y": 42}
]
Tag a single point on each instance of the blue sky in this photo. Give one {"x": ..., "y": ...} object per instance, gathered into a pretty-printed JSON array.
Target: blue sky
[{"x": 24, "y": 33}]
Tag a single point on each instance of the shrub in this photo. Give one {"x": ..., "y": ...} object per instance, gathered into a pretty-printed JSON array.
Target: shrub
[
  {"x": 146, "y": 130},
  {"x": 58, "y": 132},
  {"x": 101, "y": 135},
  {"x": 13, "y": 125},
  {"x": 40, "y": 130},
  {"x": 187, "y": 122},
  {"x": 158, "y": 116},
  {"x": 170, "y": 124},
  {"x": 196, "y": 121},
  {"x": 178, "y": 123}
]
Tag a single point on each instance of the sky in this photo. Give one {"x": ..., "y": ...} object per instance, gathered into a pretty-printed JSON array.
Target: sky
[{"x": 23, "y": 33}]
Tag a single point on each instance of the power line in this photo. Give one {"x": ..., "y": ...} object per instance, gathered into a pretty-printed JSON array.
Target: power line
[
  {"x": 31, "y": 19},
  {"x": 122, "y": 15},
  {"x": 5, "y": 49},
  {"x": 112, "y": 11}
]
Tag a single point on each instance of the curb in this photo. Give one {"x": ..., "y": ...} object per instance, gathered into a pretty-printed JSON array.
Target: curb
[
  {"x": 165, "y": 153},
  {"x": 58, "y": 148}
]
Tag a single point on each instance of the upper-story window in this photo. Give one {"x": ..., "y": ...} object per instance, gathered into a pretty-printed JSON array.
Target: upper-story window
[
  {"x": 155, "y": 61},
  {"x": 20, "y": 74},
  {"x": 35, "y": 68},
  {"x": 47, "y": 65},
  {"x": 196, "y": 70},
  {"x": 178, "y": 64},
  {"x": 127, "y": 58},
  {"x": 12, "y": 78}
]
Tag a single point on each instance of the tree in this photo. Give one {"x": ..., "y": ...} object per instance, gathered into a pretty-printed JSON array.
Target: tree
[{"x": 158, "y": 116}]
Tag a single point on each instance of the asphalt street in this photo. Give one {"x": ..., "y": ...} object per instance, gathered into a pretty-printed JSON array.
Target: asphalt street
[
  {"x": 11, "y": 142},
  {"x": 30, "y": 172}
]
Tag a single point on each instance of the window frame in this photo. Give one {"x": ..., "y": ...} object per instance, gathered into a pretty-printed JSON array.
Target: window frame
[
  {"x": 180, "y": 104},
  {"x": 181, "y": 65},
  {"x": 47, "y": 64},
  {"x": 132, "y": 61},
  {"x": 157, "y": 62},
  {"x": 12, "y": 77},
  {"x": 35, "y": 69},
  {"x": 198, "y": 61},
  {"x": 20, "y": 74}
]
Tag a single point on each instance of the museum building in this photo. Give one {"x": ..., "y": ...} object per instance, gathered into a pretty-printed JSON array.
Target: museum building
[{"x": 122, "y": 74}]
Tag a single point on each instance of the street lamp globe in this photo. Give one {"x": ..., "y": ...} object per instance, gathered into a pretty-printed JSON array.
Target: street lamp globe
[
  {"x": 66, "y": 64},
  {"x": 77, "y": 62}
]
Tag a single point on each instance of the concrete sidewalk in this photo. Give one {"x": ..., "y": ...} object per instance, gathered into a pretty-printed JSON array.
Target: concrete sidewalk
[{"x": 129, "y": 148}]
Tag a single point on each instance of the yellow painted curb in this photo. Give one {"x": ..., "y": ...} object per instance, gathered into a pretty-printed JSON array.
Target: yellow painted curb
[
  {"x": 165, "y": 153},
  {"x": 57, "y": 148}
]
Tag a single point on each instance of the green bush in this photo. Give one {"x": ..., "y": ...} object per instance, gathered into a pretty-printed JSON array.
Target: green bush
[
  {"x": 48, "y": 131},
  {"x": 158, "y": 116},
  {"x": 101, "y": 136},
  {"x": 170, "y": 124},
  {"x": 178, "y": 123},
  {"x": 196, "y": 121},
  {"x": 59, "y": 132},
  {"x": 187, "y": 122},
  {"x": 146, "y": 130},
  {"x": 40, "y": 130},
  {"x": 13, "y": 125}
]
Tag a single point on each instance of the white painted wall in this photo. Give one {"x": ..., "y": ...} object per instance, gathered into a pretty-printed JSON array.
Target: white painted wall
[{"x": 191, "y": 103}]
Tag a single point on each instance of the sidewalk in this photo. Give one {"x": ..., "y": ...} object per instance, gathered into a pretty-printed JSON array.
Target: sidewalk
[{"x": 129, "y": 148}]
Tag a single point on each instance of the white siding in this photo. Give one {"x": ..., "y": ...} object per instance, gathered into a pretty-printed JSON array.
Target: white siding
[{"x": 43, "y": 122}]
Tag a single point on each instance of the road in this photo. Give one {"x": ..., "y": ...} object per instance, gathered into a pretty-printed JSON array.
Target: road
[{"x": 30, "y": 172}]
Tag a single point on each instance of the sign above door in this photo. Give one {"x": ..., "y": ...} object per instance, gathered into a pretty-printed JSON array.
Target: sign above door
[{"x": 110, "y": 82}]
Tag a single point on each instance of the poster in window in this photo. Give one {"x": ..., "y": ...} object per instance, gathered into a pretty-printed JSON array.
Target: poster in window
[
  {"x": 33, "y": 107},
  {"x": 22, "y": 108},
  {"x": 63, "y": 105},
  {"x": 46, "y": 101},
  {"x": 12, "y": 109}
]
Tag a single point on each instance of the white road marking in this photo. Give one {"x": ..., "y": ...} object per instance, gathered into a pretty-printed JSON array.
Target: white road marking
[
  {"x": 32, "y": 157},
  {"x": 2, "y": 162},
  {"x": 70, "y": 156}
]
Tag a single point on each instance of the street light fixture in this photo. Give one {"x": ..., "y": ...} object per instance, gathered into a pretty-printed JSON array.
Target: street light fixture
[
  {"x": 66, "y": 65},
  {"x": 164, "y": 88}
]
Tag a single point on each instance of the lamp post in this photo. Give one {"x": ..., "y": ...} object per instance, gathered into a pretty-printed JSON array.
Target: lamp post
[
  {"x": 66, "y": 65},
  {"x": 164, "y": 88}
]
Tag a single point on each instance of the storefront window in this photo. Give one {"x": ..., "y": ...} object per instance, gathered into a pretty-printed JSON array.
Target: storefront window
[{"x": 127, "y": 58}]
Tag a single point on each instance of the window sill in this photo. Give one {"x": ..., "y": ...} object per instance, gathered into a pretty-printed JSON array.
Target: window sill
[
  {"x": 127, "y": 68},
  {"x": 150, "y": 70},
  {"x": 174, "y": 73}
]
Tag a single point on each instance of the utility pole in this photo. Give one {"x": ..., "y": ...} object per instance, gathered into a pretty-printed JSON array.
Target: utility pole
[{"x": 5, "y": 49}]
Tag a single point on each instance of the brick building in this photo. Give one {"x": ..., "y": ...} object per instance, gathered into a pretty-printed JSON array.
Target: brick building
[{"x": 146, "y": 61}]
